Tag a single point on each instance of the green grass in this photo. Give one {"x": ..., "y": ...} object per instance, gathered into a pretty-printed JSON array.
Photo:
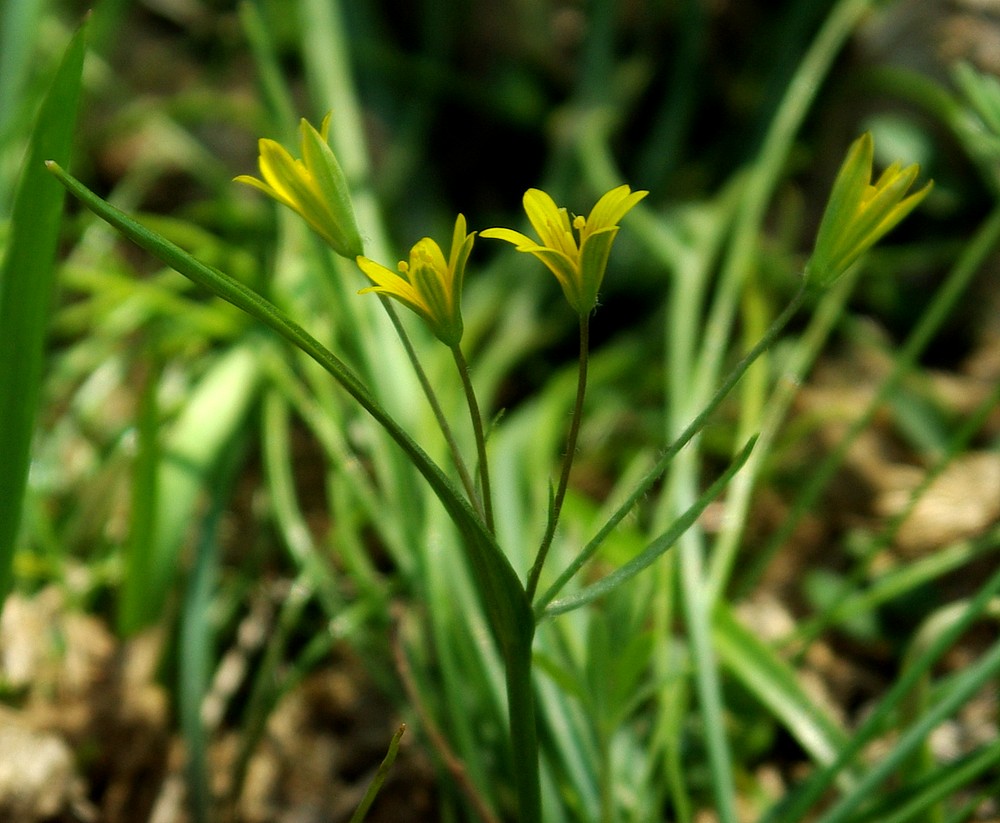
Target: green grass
[{"x": 652, "y": 696}]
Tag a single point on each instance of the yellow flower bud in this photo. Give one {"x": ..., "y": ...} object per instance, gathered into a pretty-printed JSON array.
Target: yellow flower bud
[
  {"x": 314, "y": 187},
  {"x": 859, "y": 213}
]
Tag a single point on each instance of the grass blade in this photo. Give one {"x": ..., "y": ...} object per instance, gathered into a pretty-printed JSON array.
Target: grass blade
[
  {"x": 380, "y": 776},
  {"x": 27, "y": 280},
  {"x": 196, "y": 444},
  {"x": 775, "y": 684}
]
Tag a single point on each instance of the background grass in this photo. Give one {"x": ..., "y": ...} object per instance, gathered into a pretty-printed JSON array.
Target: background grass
[{"x": 187, "y": 465}]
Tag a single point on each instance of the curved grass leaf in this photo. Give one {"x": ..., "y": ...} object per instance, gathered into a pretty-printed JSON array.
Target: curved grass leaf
[
  {"x": 774, "y": 683},
  {"x": 27, "y": 279}
]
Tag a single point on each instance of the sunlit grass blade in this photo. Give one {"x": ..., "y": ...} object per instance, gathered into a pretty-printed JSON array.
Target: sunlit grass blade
[
  {"x": 655, "y": 549},
  {"x": 196, "y": 443},
  {"x": 27, "y": 278},
  {"x": 774, "y": 683}
]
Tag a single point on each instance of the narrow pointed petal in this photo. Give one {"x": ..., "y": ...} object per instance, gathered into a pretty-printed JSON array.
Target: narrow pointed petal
[
  {"x": 549, "y": 221},
  {"x": 522, "y": 241},
  {"x": 613, "y": 206}
]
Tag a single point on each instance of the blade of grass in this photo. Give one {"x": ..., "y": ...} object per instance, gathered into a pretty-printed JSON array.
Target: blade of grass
[
  {"x": 380, "y": 776},
  {"x": 19, "y": 27},
  {"x": 774, "y": 683},
  {"x": 896, "y": 582},
  {"x": 195, "y": 664},
  {"x": 289, "y": 519},
  {"x": 197, "y": 441},
  {"x": 943, "y": 783},
  {"x": 964, "y": 686},
  {"x": 27, "y": 280}
]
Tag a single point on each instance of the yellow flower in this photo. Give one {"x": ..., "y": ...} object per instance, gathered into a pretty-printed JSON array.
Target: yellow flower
[
  {"x": 578, "y": 266},
  {"x": 313, "y": 186},
  {"x": 860, "y": 213},
  {"x": 429, "y": 285}
]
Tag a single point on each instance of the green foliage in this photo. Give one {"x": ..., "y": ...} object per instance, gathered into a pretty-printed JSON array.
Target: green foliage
[
  {"x": 410, "y": 511},
  {"x": 27, "y": 284}
]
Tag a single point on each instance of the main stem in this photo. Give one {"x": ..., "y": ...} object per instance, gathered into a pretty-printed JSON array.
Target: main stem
[
  {"x": 571, "y": 438},
  {"x": 477, "y": 428}
]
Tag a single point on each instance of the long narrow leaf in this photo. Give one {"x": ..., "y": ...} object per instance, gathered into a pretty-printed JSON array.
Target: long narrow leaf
[
  {"x": 964, "y": 686},
  {"x": 26, "y": 287},
  {"x": 774, "y": 683},
  {"x": 943, "y": 783},
  {"x": 191, "y": 451},
  {"x": 797, "y": 805},
  {"x": 660, "y": 545}
]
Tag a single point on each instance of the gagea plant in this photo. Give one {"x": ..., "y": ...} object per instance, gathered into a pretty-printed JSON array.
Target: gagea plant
[{"x": 429, "y": 282}]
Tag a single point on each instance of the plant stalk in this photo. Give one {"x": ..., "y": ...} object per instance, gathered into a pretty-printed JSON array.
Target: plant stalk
[
  {"x": 480, "y": 435},
  {"x": 567, "y": 464}
]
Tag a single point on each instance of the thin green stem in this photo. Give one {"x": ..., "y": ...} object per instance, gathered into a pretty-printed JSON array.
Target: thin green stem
[
  {"x": 480, "y": 434},
  {"x": 567, "y": 464},
  {"x": 657, "y": 471},
  {"x": 431, "y": 395}
]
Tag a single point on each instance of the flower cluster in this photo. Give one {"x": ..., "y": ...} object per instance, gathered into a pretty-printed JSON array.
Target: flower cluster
[{"x": 575, "y": 249}]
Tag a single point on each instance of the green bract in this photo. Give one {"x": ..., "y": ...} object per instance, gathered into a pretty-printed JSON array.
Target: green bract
[
  {"x": 314, "y": 187},
  {"x": 859, "y": 213},
  {"x": 428, "y": 284},
  {"x": 579, "y": 267}
]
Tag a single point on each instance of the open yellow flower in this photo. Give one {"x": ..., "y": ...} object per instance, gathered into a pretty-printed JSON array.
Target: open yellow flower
[
  {"x": 314, "y": 187},
  {"x": 859, "y": 213},
  {"x": 579, "y": 266},
  {"x": 428, "y": 284}
]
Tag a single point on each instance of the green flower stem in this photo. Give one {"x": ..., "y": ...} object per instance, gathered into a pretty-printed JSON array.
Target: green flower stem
[
  {"x": 431, "y": 395},
  {"x": 571, "y": 438},
  {"x": 480, "y": 434},
  {"x": 662, "y": 464}
]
